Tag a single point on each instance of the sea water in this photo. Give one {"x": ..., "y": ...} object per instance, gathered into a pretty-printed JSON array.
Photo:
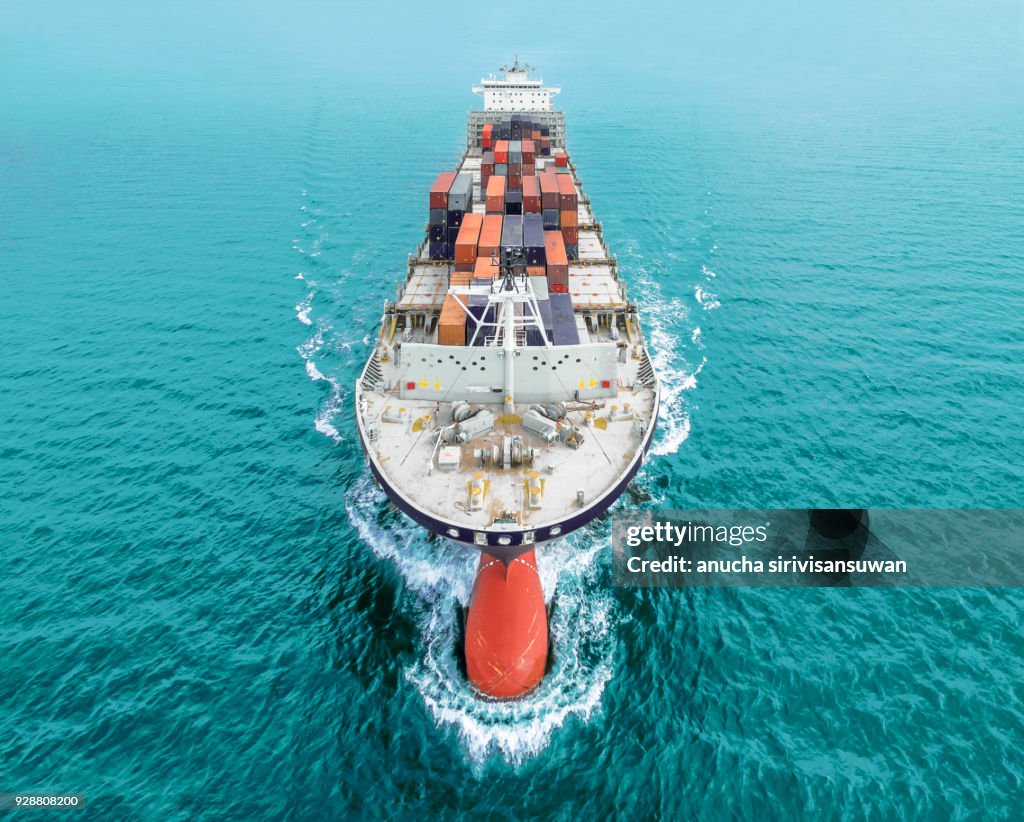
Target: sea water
[{"x": 211, "y": 611}]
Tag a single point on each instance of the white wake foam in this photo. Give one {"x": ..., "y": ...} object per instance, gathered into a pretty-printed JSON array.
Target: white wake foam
[{"x": 441, "y": 573}]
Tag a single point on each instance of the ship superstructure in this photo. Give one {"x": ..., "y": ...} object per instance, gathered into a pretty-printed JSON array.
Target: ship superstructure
[{"x": 509, "y": 398}]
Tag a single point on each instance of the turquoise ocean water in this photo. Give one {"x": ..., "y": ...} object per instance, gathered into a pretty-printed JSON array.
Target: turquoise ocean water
[{"x": 210, "y": 611}]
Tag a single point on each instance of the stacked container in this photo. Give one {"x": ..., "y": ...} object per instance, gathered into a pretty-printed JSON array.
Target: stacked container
[
  {"x": 451, "y": 325},
  {"x": 533, "y": 240},
  {"x": 557, "y": 261},
  {"x": 514, "y": 202},
  {"x": 568, "y": 205},
  {"x": 563, "y": 320},
  {"x": 490, "y": 237},
  {"x": 549, "y": 201},
  {"x": 531, "y": 195},
  {"x": 495, "y": 196},
  {"x": 512, "y": 232},
  {"x": 438, "y": 247},
  {"x": 486, "y": 168},
  {"x": 467, "y": 241}
]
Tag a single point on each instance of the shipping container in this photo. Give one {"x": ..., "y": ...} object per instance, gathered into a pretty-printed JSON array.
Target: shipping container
[
  {"x": 439, "y": 191},
  {"x": 460, "y": 278},
  {"x": 569, "y": 218},
  {"x": 451, "y": 325},
  {"x": 501, "y": 169},
  {"x": 495, "y": 200},
  {"x": 515, "y": 181},
  {"x": 533, "y": 239},
  {"x": 513, "y": 202},
  {"x": 460, "y": 195},
  {"x": 438, "y": 250},
  {"x": 557, "y": 258},
  {"x": 529, "y": 151},
  {"x": 479, "y": 309},
  {"x": 567, "y": 198},
  {"x": 468, "y": 238},
  {"x": 512, "y": 232},
  {"x": 563, "y": 320},
  {"x": 549, "y": 191},
  {"x": 572, "y": 251},
  {"x": 438, "y": 233},
  {"x": 551, "y": 217},
  {"x": 571, "y": 236},
  {"x": 529, "y": 169},
  {"x": 486, "y": 137},
  {"x": 561, "y": 158},
  {"x": 531, "y": 195},
  {"x": 490, "y": 236},
  {"x": 501, "y": 151},
  {"x": 455, "y": 219},
  {"x": 486, "y": 268}
]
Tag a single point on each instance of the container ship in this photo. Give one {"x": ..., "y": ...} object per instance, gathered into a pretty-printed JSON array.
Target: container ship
[{"x": 509, "y": 398}]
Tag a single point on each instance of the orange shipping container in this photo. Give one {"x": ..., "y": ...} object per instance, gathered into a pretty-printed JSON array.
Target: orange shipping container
[
  {"x": 536, "y": 271},
  {"x": 461, "y": 278},
  {"x": 486, "y": 269},
  {"x": 569, "y": 218},
  {"x": 439, "y": 190},
  {"x": 558, "y": 262},
  {"x": 490, "y": 236},
  {"x": 549, "y": 190},
  {"x": 501, "y": 151},
  {"x": 529, "y": 150},
  {"x": 469, "y": 236},
  {"x": 566, "y": 192},
  {"x": 451, "y": 325},
  {"x": 496, "y": 195},
  {"x": 531, "y": 195}
]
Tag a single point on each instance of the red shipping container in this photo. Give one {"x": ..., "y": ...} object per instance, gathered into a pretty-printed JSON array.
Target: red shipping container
[
  {"x": 486, "y": 136},
  {"x": 515, "y": 181},
  {"x": 571, "y": 235},
  {"x": 561, "y": 158},
  {"x": 495, "y": 198},
  {"x": 529, "y": 169},
  {"x": 568, "y": 218},
  {"x": 558, "y": 288},
  {"x": 566, "y": 192},
  {"x": 501, "y": 151},
  {"x": 485, "y": 177},
  {"x": 558, "y": 262},
  {"x": 549, "y": 190},
  {"x": 439, "y": 190},
  {"x": 469, "y": 237},
  {"x": 535, "y": 134},
  {"x": 531, "y": 195},
  {"x": 529, "y": 151},
  {"x": 490, "y": 234}
]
